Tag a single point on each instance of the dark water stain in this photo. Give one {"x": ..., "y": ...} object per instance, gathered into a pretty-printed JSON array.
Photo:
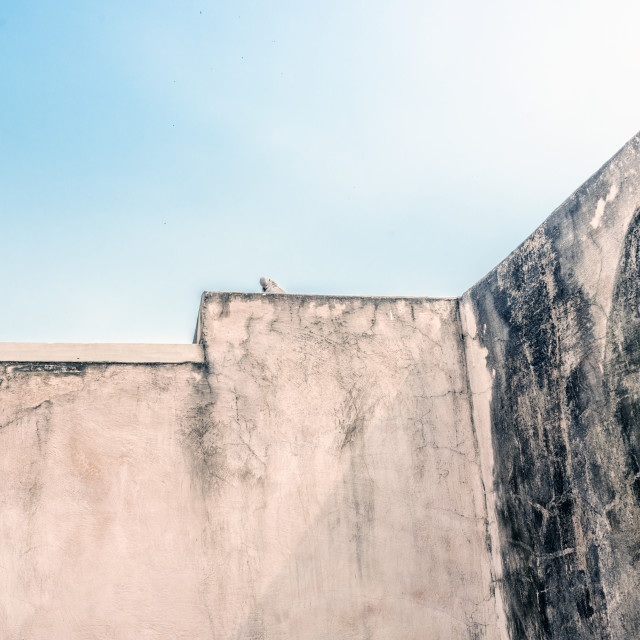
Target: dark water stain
[
  {"x": 620, "y": 473},
  {"x": 540, "y": 421},
  {"x": 201, "y": 438}
]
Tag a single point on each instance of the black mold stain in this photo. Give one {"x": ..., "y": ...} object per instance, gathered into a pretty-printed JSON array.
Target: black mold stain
[
  {"x": 351, "y": 423},
  {"x": 80, "y": 368},
  {"x": 201, "y": 438},
  {"x": 541, "y": 420},
  {"x": 68, "y": 368},
  {"x": 620, "y": 474}
]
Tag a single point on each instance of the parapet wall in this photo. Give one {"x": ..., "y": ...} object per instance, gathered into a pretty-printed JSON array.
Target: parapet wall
[
  {"x": 351, "y": 463},
  {"x": 317, "y": 477},
  {"x": 322, "y": 467}
]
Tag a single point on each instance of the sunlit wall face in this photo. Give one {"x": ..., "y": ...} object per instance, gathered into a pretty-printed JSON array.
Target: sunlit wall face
[{"x": 152, "y": 150}]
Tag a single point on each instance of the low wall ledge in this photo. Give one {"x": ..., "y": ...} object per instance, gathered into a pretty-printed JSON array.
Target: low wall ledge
[{"x": 111, "y": 352}]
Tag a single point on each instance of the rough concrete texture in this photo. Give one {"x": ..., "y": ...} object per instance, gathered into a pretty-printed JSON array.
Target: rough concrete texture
[
  {"x": 342, "y": 467},
  {"x": 100, "y": 534},
  {"x": 554, "y": 337},
  {"x": 339, "y": 460},
  {"x": 318, "y": 478}
]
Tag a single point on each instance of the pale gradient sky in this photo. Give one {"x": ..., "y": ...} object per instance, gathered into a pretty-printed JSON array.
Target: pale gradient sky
[{"x": 153, "y": 150}]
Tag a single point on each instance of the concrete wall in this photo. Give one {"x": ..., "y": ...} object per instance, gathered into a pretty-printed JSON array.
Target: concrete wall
[
  {"x": 317, "y": 477},
  {"x": 553, "y": 336},
  {"x": 100, "y": 534},
  {"x": 342, "y": 467},
  {"x": 340, "y": 462}
]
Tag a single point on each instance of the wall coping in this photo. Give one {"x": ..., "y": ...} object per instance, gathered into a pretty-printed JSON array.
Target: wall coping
[{"x": 107, "y": 352}]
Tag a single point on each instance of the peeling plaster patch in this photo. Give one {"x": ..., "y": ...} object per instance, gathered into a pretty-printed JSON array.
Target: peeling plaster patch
[
  {"x": 479, "y": 375},
  {"x": 602, "y": 203}
]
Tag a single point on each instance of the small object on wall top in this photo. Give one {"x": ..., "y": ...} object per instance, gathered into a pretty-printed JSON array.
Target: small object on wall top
[{"x": 270, "y": 286}]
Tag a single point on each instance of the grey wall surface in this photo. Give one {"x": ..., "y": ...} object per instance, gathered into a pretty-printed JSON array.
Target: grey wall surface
[
  {"x": 341, "y": 467},
  {"x": 554, "y": 336}
]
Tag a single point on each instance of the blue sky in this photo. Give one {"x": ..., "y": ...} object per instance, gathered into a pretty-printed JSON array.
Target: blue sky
[{"x": 153, "y": 150}]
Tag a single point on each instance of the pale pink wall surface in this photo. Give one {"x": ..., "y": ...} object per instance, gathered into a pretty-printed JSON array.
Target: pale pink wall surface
[
  {"x": 317, "y": 477},
  {"x": 99, "y": 527}
]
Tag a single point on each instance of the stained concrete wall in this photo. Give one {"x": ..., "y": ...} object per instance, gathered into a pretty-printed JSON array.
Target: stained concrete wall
[
  {"x": 340, "y": 460},
  {"x": 317, "y": 477},
  {"x": 553, "y": 337},
  {"x": 344, "y": 467}
]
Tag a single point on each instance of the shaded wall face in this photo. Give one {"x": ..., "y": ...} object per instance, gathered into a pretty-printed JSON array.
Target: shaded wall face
[
  {"x": 316, "y": 478},
  {"x": 558, "y": 338},
  {"x": 100, "y": 526},
  {"x": 339, "y": 471}
]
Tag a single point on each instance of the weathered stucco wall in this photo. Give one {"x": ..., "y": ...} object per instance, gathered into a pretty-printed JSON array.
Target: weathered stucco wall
[
  {"x": 343, "y": 467},
  {"x": 317, "y": 477},
  {"x": 553, "y": 340},
  {"x": 339, "y": 459},
  {"x": 100, "y": 533}
]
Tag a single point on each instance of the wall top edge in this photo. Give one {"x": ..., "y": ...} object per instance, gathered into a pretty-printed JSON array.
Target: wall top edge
[
  {"x": 105, "y": 352},
  {"x": 317, "y": 296},
  {"x": 313, "y": 300}
]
